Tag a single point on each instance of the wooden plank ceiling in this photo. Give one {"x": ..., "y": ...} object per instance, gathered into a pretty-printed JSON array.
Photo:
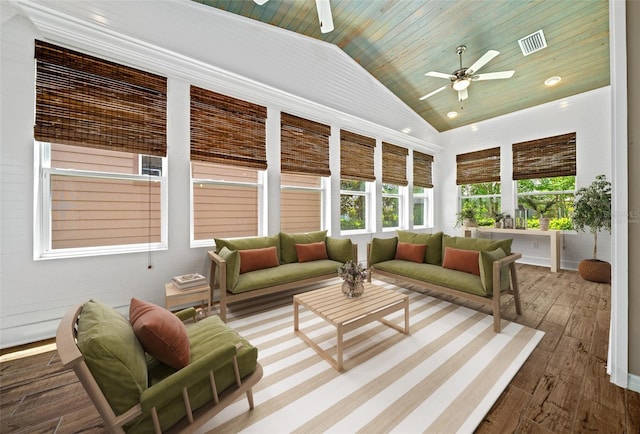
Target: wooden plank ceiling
[{"x": 398, "y": 41}]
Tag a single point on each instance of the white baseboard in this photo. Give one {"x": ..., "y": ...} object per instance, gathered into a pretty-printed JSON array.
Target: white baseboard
[{"x": 633, "y": 383}]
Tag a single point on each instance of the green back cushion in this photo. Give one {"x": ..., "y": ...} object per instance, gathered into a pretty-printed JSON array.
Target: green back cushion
[
  {"x": 466, "y": 243},
  {"x": 340, "y": 249},
  {"x": 232, "y": 258},
  {"x": 433, "y": 255},
  {"x": 249, "y": 243},
  {"x": 113, "y": 354},
  {"x": 383, "y": 249},
  {"x": 486, "y": 270},
  {"x": 288, "y": 244}
]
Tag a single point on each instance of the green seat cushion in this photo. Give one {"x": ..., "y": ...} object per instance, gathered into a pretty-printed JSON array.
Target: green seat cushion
[
  {"x": 340, "y": 249},
  {"x": 486, "y": 270},
  {"x": 285, "y": 273},
  {"x": 434, "y": 274},
  {"x": 113, "y": 354},
  {"x": 466, "y": 243},
  {"x": 249, "y": 243},
  {"x": 382, "y": 249},
  {"x": 433, "y": 254},
  {"x": 204, "y": 337},
  {"x": 288, "y": 243}
]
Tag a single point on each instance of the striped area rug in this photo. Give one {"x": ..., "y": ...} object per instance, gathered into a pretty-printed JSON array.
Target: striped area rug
[{"x": 442, "y": 378}]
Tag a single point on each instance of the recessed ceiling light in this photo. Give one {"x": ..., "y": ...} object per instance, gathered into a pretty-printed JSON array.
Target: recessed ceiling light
[
  {"x": 452, "y": 115},
  {"x": 406, "y": 130},
  {"x": 474, "y": 127},
  {"x": 552, "y": 81}
]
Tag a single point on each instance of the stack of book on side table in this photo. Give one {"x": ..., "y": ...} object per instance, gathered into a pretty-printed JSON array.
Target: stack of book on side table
[{"x": 188, "y": 281}]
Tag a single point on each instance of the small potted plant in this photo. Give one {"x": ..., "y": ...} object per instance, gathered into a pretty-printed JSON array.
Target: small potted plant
[
  {"x": 541, "y": 207},
  {"x": 497, "y": 218},
  {"x": 592, "y": 209},
  {"x": 467, "y": 217},
  {"x": 354, "y": 275}
]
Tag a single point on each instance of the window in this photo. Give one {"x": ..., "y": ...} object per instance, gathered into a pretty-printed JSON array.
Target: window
[
  {"x": 356, "y": 178},
  {"x": 478, "y": 175},
  {"x": 354, "y": 201},
  {"x": 550, "y": 197},
  {"x": 484, "y": 198},
  {"x": 226, "y": 201},
  {"x": 94, "y": 201},
  {"x": 102, "y": 184},
  {"x": 544, "y": 171},
  {"x": 394, "y": 179},
  {"x": 228, "y": 159},
  {"x": 422, "y": 189},
  {"x": 301, "y": 202}
]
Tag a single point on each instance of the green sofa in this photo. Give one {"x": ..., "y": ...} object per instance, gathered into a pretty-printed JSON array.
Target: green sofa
[
  {"x": 136, "y": 393},
  {"x": 286, "y": 270},
  {"x": 492, "y": 265}
]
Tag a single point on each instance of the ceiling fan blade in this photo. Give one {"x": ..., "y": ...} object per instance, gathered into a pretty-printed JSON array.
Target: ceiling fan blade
[
  {"x": 433, "y": 93},
  {"x": 260, "y": 2},
  {"x": 482, "y": 61},
  {"x": 324, "y": 15},
  {"x": 440, "y": 75},
  {"x": 493, "y": 75},
  {"x": 463, "y": 94}
]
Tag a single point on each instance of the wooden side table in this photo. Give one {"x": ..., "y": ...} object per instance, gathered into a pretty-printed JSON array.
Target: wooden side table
[{"x": 173, "y": 296}]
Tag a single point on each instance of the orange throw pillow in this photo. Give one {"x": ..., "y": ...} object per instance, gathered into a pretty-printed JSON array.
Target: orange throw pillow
[
  {"x": 257, "y": 259},
  {"x": 411, "y": 252},
  {"x": 160, "y": 332},
  {"x": 462, "y": 260},
  {"x": 311, "y": 251}
]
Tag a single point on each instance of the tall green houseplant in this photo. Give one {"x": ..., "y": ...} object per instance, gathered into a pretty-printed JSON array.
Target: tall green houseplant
[{"x": 592, "y": 208}]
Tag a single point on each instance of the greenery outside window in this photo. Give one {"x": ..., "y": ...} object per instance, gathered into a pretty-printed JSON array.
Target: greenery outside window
[
  {"x": 391, "y": 206},
  {"x": 484, "y": 198},
  {"x": 301, "y": 203},
  {"x": 551, "y": 197},
  {"x": 354, "y": 202},
  {"x": 421, "y": 207}
]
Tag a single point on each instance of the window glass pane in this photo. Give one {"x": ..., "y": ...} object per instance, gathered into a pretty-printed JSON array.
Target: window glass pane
[
  {"x": 353, "y": 212},
  {"x": 225, "y": 201},
  {"x": 484, "y": 199},
  {"x": 419, "y": 206},
  {"x": 390, "y": 189},
  {"x": 548, "y": 197},
  {"x": 353, "y": 185},
  {"x": 390, "y": 212},
  {"x": 300, "y": 203}
]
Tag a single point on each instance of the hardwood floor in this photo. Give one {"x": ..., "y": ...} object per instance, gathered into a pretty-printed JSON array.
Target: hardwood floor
[{"x": 562, "y": 388}]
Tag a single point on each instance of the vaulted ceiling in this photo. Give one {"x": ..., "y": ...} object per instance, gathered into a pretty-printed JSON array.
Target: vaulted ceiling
[{"x": 398, "y": 41}]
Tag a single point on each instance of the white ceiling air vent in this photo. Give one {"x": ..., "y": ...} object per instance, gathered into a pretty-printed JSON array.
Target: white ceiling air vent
[{"x": 532, "y": 43}]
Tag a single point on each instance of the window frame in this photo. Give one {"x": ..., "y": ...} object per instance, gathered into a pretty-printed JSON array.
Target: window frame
[
  {"x": 401, "y": 196},
  {"x": 427, "y": 197},
  {"x": 498, "y": 196},
  {"x": 517, "y": 195},
  {"x": 368, "y": 206},
  {"x": 323, "y": 189},
  {"x": 42, "y": 245}
]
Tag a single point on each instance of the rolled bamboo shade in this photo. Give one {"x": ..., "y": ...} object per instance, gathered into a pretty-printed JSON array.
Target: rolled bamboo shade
[
  {"x": 304, "y": 146},
  {"x": 477, "y": 167},
  {"x": 356, "y": 157},
  {"x": 422, "y": 173},
  {"x": 85, "y": 101},
  {"x": 227, "y": 130},
  {"x": 394, "y": 164},
  {"x": 545, "y": 158}
]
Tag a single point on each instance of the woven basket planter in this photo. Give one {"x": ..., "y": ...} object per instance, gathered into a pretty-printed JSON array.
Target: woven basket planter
[{"x": 595, "y": 270}]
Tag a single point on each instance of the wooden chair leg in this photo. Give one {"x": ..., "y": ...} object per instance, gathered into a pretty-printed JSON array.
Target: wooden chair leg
[
  {"x": 250, "y": 398},
  {"x": 515, "y": 288}
]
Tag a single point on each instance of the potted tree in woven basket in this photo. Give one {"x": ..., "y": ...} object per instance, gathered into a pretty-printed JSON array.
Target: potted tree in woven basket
[{"x": 592, "y": 209}]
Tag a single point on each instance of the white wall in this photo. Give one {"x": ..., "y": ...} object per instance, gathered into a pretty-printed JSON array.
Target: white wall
[{"x": 587, "y": 114}]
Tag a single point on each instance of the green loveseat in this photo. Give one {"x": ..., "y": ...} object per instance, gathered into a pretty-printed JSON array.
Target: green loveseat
[
  {"x": 286, "y": 270},
  {"x": 136, "y": 393},
  {"x": 476, "y": 269}
]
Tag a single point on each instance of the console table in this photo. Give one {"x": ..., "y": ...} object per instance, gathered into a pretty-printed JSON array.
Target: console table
[{"x": 554, "y": 241}]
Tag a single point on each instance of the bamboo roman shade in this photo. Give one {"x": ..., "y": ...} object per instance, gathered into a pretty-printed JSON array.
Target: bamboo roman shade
[
  {"x": 394, "y": 164},
  {"x": 356, "y": 157},
  {"x": 477, "y": 167},
  {"x": 422, "y": 173},
  {"x": 227, "y": 130},
  {"x": 304, "y": 146},
  {"x": 85, "y": 101},
  {"x": 545, "y": 158}
]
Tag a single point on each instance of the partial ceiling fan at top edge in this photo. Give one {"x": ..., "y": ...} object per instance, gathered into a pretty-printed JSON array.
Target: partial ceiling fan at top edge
[{"x": 324, "y": 14}]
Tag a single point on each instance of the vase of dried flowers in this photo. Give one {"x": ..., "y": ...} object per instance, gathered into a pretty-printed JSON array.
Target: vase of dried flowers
[{"x": 354, "y": 275}]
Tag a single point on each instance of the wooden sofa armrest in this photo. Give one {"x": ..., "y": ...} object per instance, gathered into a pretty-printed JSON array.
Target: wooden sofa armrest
[{"x": 498, "y": 265}]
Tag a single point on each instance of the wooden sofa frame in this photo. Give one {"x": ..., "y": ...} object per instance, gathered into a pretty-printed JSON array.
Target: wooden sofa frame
[
  {"x": 227, "y": 297},
  {"x": 493, "y": 301},
  {"x": 71, "y": 356}
]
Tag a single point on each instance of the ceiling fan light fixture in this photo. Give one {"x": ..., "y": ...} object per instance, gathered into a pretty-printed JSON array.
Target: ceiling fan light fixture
[
  {"x": 552, "y": 81},
  {"x": 461, "y": 84},
  {"x": 452, "y": 115}
]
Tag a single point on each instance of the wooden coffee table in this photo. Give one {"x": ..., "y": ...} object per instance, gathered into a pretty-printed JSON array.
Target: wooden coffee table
[{"x": 347, "y": 314}]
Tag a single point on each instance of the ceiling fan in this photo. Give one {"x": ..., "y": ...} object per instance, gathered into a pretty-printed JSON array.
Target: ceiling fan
[
  {"x": 462, "y": 78},
  {"x": 324, "y": 14}
]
